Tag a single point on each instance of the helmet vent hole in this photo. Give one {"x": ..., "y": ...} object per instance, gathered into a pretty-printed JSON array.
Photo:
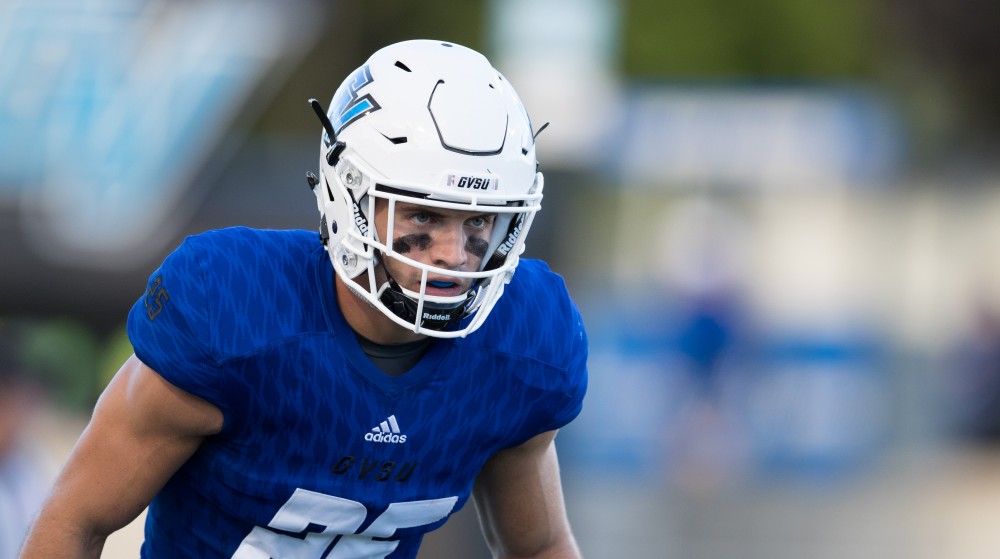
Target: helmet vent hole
[{"x": 402, "y": 66}]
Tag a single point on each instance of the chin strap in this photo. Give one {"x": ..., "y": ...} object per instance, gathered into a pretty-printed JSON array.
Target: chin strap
[{"x": 434, "y": 318}]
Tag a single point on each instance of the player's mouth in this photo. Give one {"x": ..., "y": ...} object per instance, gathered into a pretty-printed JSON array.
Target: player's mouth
[{"x": 444, "y": 288}]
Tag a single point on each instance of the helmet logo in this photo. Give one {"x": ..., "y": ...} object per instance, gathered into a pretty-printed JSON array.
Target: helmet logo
[
  {"x": 508, "y": 244},
  {"x": 360, "y": 221},
  {"x": 347, "y": 106},
  {"x": 473, "y": 183}
]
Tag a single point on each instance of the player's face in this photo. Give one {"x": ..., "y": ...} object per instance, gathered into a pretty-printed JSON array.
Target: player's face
[{"x": 450, "y": 239}]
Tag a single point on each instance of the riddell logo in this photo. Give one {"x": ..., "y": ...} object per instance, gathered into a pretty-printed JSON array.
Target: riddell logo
[
  {"x": 360, "y": 221},
  {"x": 429, "y": 316},
  {"x": 386, "y": 432},
  {"x": 511, "y": 239}
]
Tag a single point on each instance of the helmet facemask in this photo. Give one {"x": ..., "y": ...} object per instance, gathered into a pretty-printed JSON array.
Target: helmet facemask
[{"x": 364, "y": 259}]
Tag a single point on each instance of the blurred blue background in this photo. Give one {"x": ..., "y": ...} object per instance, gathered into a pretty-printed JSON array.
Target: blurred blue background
[{"x": 780, "y": 219}]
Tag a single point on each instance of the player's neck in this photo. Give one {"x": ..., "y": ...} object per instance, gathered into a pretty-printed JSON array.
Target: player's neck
[{"x": 368, "y": 321}]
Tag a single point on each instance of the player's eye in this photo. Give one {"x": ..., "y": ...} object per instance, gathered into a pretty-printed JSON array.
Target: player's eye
[
  {"x": 479, "y": 221},
  {"x": 420, "y": 218}
]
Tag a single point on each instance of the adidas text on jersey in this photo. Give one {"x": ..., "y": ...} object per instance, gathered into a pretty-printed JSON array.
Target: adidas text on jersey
[{"x": 386, "y": 432}]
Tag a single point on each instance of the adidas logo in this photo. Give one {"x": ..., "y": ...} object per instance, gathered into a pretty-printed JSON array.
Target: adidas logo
[{"x": 386, "y": 432}]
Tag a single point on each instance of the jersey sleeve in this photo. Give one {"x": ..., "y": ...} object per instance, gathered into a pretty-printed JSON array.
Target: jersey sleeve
[
  {"x": 541, "y": 324},
  {"x": 171, "y": 327},
  {"x": 574, "y": 386}
]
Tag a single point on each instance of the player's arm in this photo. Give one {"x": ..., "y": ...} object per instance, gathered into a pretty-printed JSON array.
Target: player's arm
[
  {"x": 143, "y": 429},
  {"x": 519, "y": 498}
]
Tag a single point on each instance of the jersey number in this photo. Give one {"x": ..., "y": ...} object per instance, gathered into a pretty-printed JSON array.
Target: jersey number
[{"x": 310, "y": 522}]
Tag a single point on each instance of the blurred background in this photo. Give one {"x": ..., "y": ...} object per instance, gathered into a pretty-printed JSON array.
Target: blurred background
[{"x": 780, "y": 219}]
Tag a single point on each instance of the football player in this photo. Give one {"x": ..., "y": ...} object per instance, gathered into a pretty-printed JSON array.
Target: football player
[{"x": 280, "y": 406}]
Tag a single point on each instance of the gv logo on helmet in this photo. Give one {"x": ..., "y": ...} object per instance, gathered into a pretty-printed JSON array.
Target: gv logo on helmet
[{"x": 347, "y": 107}]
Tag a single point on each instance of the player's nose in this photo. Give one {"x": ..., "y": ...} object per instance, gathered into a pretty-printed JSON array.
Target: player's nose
[{"x": 448, "y": 249}]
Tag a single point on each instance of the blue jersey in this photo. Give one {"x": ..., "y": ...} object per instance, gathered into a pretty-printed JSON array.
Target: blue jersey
[{"x": 322, "y": 454}]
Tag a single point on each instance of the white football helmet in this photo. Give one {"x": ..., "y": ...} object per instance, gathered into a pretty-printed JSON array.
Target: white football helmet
[{"x": 429, "y": 123}]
